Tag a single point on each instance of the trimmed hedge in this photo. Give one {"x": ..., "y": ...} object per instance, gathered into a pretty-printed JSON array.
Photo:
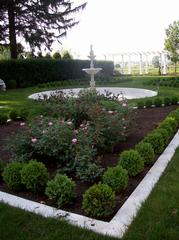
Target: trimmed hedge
[{"x": 26, "y": 73}]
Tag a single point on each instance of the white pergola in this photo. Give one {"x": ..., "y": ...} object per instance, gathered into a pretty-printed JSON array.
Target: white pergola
[{"x": 143, "y": 57}]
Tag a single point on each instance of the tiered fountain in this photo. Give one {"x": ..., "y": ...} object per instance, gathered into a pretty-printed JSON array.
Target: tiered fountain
[{"x": 92, "y": 71}]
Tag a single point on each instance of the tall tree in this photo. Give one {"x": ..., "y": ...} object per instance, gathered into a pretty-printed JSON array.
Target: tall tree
[
  {"x": 38, "y": 22},
  {"x": 172, "y": 42}
]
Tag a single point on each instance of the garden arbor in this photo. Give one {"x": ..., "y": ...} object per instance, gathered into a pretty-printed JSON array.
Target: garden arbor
[{"x": 142, "y": 59}]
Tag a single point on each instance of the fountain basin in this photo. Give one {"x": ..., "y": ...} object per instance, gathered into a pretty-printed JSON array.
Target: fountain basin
[
  {"x": 92, "y": 71},
  {"x": 128, "y": 93}
]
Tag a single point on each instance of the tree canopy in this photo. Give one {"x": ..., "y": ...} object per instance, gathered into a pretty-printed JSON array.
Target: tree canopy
[
  {"x": 172, "y": 41},
  {"x": 38, "y": 22}
]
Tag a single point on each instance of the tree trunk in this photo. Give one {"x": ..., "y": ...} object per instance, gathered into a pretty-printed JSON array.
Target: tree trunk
[
  {"x": 12, "y": 31},
  {"x": 175, "y": 68}
]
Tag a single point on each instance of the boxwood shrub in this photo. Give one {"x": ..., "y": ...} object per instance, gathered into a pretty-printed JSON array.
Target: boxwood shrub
[
  {"x": 140, "y": 104},
  {"x": 34, "y": 176},
  {"x": 146, "y": 151},
  {"x": 12, "y": 176},
  {"x": 164, "y": 133},
  {"x": 61, "y": 189},
  {"x": 156, "y": 140},
  {"x": 158, "y": 102},
  {"x": 131, "y": 161},
  {"x": 148, "y": 103},
  {"x": 116, "y": 178},
  {"x": 2, "y": 167},
  {"x": 99, "y": 200}
]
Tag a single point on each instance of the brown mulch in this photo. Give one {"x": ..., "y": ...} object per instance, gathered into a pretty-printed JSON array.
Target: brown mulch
[{"x": 145, "y": 121}]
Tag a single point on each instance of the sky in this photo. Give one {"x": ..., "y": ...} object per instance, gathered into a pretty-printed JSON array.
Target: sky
[{"x": 120, "y": 26}]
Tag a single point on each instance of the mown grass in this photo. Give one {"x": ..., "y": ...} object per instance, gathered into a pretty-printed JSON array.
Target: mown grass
[{"x": 16, "y": 224}]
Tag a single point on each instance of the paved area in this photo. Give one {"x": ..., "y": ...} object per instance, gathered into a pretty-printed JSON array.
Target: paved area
[{"x": 129, "y": 93}]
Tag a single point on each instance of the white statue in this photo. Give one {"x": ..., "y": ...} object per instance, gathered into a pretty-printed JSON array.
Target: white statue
[{"x": 2, "y": 85}]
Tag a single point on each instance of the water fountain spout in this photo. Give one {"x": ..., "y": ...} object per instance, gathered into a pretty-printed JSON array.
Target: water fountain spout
[{"x": 92, "y": 70}]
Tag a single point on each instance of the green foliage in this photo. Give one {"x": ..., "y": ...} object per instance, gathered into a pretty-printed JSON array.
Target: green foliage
[
  {"x": 140, "y": 104},
  {"x": 12, "y": 175},
  {"x": 148, "y": 103},
  {"x": 167, "y": 101},
  {"x": 61, "y": 189},
  {"x": 99, "y": 200},
  {"x": 31, "y": 72},
  {"x": 3, "y": 118},
  {"x": 34, "y": 176},
  {"x": 164, "y": 133},
  {"x": 174, "y": 100},
  {"x": 175, "y": 115},
  {"x": 2, "y": 166},
  {"x": 57, "y": 55},
  {"x": 171, "y": 121},
  {"x": 158, "y": 102},
  {"x": 171, "y": 41},
  {"x": 14, "y": 114},
  {"x": 156, "y": 140},
  {"x": 146, "y": 152},
  {"x": 131, "y": 161},
  {"x": 43, "y": 139},
  {"x": 116, "y": 178}
]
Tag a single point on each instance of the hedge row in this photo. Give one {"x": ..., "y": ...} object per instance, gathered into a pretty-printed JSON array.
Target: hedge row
[
  {"x": 26, "y": 73},
  {"x": 165, "y": 82}
]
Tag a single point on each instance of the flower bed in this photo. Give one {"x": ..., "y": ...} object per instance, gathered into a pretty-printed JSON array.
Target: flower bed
[{"x": 81, "y": 160}]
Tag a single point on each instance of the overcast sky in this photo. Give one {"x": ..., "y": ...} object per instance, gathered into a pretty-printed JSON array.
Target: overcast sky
[{"x": 121, "y": 25}]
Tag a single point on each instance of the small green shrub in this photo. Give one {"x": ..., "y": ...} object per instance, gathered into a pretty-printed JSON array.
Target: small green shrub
[
  {"x": 23, "y": 114},
  {"x": 167, "y": 101},
  {"x": 146, "y": 152},
  {"x": 34, "y": 176},
  {"x": 3, "y": 118},
  {"x": 116, "y": 178},
  {"x": 131, "y": 161},
  {"x": 170, "y": 123},
  {"x": 158, "y": 102},
  {"x": 99, "y": 200},
  {"x": 156, "y": 140},
  {"x": 148, "y": 103},
  {"x": 164, "y": 133},
  {"x": 174, "y": 100},
  {"x": 12, "y": 176},
  {"x": 61, "y": 189},
  {"x": 14, "y": 114},
  {"x": 11, "y": 84},
  {"x": 175, "y": 115},
  {"x": 140, "y": 104}
]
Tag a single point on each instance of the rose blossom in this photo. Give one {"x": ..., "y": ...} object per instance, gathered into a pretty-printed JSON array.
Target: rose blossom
[
  {"x": 22, "y": 124},
  {"x": 69, "y": 123},
  {"x": 74, "y": 140},
  {"x": 50, "y": 123},
  {"x": 33, "y": 140}
]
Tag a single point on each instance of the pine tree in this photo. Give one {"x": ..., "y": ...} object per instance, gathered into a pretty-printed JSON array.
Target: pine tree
[{"x": 38, "y": 22}]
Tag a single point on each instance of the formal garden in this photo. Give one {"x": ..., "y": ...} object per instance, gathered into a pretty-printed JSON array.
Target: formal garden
[
  {"x": 85, "y": 144},
  {"x": 66, "y": 151}
]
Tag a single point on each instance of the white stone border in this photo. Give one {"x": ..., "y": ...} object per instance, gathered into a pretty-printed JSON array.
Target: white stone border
[{"x": 123, "y": 218}]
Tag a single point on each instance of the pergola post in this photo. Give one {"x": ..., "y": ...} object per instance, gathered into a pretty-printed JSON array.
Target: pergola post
[
  {"x": 140, "y": 64},
  {"x": 146, "y": 64},
  {"x": 129, "y": 64},
  {"x": 164, "y": 64}
]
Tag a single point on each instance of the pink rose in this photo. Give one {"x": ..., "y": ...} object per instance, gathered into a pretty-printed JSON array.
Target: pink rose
[
  {"x": 74, "y": 140},
  {"x": 50, "y": 123},
  {"x": 34, "y": 140}
]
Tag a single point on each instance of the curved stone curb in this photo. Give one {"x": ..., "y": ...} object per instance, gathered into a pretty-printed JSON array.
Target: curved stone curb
[
  {"x": 123, "y": 218},
  {"x": 129, "y": 93}
]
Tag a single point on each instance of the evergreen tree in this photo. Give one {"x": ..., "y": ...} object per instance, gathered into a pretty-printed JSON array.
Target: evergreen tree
[{"x": 38, "y": 22}]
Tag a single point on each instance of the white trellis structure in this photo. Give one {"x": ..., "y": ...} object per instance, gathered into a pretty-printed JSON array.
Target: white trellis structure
[{"x": 143, "y": 60}]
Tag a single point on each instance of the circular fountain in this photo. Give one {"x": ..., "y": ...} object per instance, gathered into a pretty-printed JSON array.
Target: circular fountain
[{"x": 92, "y": 70}]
